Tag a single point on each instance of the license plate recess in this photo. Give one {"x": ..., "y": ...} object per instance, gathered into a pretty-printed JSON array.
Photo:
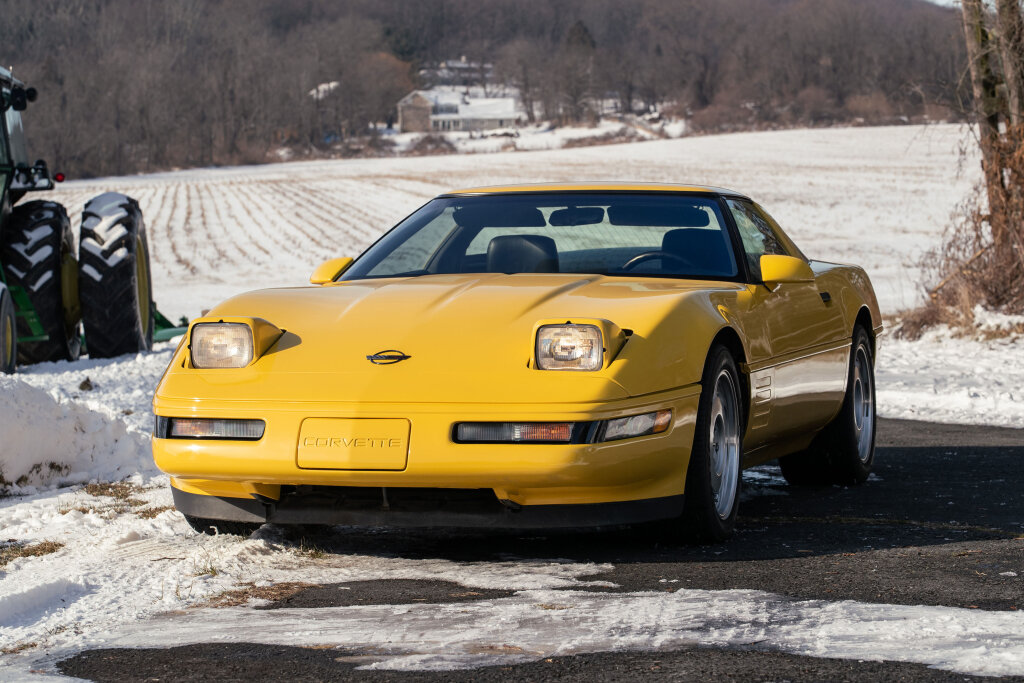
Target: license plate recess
[{"x": 353, "y": 444}]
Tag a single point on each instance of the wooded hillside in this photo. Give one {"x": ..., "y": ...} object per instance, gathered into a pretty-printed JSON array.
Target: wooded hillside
[{"x": 137, "y": 85}]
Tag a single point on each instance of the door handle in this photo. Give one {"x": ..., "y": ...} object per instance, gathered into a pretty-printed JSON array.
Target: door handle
[{"x": 825, "y": 296}]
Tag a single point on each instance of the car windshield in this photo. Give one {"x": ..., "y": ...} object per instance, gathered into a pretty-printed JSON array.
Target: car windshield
[{"x": 662, "y": 235}]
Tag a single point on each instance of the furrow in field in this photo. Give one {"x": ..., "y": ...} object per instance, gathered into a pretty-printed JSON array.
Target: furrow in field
[
  {"x": 315, "y": 213},
  {"x": 166, "y": 235},
  {"x": 182, "y": 231},
  {"x": 276, "y": 208},
  {"x": 220, "y": 237},
  {"x": 242, "y": 225},
  {"x": 195, "y": 218}
]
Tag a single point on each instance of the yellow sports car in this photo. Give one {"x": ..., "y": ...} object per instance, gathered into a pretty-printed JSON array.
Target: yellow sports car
[{"x": 528, "y": 356}]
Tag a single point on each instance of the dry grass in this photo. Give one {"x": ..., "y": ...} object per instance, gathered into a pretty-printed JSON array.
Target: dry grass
[
  {"x": 12, "y": 550},
  {"x": 20, "y": 647},
  {"x": 123, "y": 495},
  {"x": 248, "y": 592},
  {"x": 150, "y": 513}
]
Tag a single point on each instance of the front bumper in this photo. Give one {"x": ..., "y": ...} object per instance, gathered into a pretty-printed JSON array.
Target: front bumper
[{"x": 526, "y": 475}]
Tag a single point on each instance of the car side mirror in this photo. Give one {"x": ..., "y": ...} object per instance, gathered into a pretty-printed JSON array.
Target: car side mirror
[
  {"x": 328, "y": 271},
  {"x": 777, "y": 269}
]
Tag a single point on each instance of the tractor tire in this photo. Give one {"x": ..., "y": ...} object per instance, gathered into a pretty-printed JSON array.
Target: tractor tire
[
  {"x": 113, "y": 276},
  {"x": 8, "y": 333},
  {"x": 38, "y": 254}
]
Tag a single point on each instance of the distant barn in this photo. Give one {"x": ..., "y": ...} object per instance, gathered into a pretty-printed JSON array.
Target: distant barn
[{"x": 445, "y": 109}]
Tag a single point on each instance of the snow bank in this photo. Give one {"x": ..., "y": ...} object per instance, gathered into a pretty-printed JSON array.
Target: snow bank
[{"x": 44, "y": 440}]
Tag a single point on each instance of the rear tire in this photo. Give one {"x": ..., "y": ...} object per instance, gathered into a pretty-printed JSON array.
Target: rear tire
[
  {"x": 114, "y": 277},
  {"x": 844, "y": 451},
  {"x": 38, "y": 256},
  {"x": 8, "y": 333},
  {"x": 213, "y": 527},
  {"x": 713, "y": 477}
]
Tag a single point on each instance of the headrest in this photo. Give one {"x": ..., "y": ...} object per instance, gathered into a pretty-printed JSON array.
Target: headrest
[
  {"x": 522, "y": 254},
  {"x": 658, "y": 216},
  {"x": 505, "y": 215}
]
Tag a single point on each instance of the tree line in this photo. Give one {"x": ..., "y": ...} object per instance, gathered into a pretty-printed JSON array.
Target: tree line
[{"x": 137, "y": 85}]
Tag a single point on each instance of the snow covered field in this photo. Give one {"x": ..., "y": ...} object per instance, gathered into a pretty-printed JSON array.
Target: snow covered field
[{"x": 874, "y": 196}]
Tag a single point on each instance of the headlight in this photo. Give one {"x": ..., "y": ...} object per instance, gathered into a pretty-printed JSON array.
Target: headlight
[
  {"x": 221, "y": 345},
  {"x": 569, "y": 347}
]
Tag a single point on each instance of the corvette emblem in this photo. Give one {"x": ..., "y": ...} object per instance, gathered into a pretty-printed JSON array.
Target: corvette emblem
[{"x": 387, "y": 357}]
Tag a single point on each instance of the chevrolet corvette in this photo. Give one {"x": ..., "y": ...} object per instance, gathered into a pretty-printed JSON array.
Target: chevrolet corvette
[{"x": 529, "y": 356}]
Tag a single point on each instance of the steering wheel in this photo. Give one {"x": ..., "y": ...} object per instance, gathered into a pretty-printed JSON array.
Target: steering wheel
[{"x": 652, "y": 255}]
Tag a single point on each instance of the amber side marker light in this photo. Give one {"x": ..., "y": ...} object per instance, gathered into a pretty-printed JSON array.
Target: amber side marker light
[{"x": 637, "y": 425}]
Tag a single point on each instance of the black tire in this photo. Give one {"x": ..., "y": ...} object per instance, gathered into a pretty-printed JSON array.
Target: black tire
[
  {"x": 38, "y": 253},
  {"x": 8, "y": 333},
  {"x": 844, "y": 451},
  {"x": 212, "y": 527},
  {"x": 718, "y": 438},
  {"x": 114, "y": 277}
]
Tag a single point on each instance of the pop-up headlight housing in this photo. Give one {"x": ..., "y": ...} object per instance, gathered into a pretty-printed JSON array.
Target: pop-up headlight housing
[{"x": 229, "y": 342}]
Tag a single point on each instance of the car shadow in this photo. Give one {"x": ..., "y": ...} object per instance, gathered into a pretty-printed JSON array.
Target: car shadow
[{"x": 938, "y": 491}]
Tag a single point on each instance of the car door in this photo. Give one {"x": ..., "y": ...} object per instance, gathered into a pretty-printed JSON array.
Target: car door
[{"x": 800, "y": 342}]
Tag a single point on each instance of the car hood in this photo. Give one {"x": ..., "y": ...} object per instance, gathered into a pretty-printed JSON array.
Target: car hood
[{"x": 469, "y": 338}]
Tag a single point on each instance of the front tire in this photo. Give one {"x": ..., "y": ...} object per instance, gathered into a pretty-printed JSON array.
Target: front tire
[
  {"x": 213, "y": 527},
  {"x": 844, "y": 451},
  {"x": 114, "y": 277},
  {"x": 8, "y": 333},
  {"x": 713, "y": 476},
  {"x": 38, "y": 256}
]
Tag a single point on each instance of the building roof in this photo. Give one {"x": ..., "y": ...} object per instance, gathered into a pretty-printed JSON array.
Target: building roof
[
  {"x": 470, "y": 103},
  {"x": 595, "y": 187}
]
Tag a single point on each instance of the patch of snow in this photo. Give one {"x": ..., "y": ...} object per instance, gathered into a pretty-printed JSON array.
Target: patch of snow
[
  {"x": 39, "y": 601},
  {"x": 323, "y": 90},
  {"x": 448, "y": 636},
  {"x": 994, "y": 321},
  {"x": 945, "y": 378}
]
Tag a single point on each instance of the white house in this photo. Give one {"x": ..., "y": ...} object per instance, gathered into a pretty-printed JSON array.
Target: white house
[{"x": 448, "y": 108}]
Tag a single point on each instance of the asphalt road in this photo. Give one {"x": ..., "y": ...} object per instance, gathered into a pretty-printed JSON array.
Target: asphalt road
[{"x": 939, "y": 521}]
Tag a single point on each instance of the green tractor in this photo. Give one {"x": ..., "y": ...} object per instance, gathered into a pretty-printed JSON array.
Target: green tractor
[{"x": 48, "y": 293}]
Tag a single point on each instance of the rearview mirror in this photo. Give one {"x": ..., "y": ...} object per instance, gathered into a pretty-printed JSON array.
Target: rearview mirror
[
  {"x": 328, "y": 271},
  {"x": 777, "y": 269}
]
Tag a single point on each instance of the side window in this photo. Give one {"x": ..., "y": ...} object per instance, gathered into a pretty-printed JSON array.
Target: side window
[{"x": 756, "y": 233}]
